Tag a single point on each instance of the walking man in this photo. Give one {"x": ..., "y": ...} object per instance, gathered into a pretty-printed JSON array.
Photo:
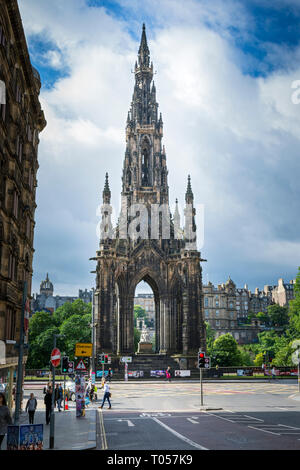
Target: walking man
[
  {"x": 48, "y": 403},
  {"x": 106, "y": 395},
  {"x": 59, "y": 396},
  {"x": 31, "y": 407}
]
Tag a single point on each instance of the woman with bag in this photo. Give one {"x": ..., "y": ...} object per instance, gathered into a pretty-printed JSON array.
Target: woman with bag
[
  {"x": 31, "y": 407},
  {"x": 5, "y": 418}
]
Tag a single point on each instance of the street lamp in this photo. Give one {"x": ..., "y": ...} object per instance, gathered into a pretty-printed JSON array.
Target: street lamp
[{"x": 52, "y": 419}]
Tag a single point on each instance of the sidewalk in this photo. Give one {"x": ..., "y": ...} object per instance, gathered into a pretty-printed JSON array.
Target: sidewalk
[{"x": 71, "y": 433}]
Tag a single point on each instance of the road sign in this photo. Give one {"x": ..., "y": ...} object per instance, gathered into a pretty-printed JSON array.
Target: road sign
[
  {"x": 126, "y": 359},
  {"x": 55, "y": 357},
  {"x": 81, "y": 366},
  {"x": 83, "y": 349}
]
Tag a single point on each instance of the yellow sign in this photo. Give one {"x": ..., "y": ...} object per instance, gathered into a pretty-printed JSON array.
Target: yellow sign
[{"x": 83, "y": 349}]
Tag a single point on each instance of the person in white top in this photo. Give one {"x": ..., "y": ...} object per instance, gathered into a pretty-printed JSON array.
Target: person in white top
[{"x": 106, "y": 395}]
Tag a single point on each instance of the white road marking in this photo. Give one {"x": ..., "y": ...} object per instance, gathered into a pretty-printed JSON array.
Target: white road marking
[
  {"x": 130, "y": 423},
  {"x": 290, "y": 427},
  {"x": 263, "y": 430},
  {"x": 192, "y": 420},
  {"x": 180, "y": 436},
  {"x": 256, "y": 419}
]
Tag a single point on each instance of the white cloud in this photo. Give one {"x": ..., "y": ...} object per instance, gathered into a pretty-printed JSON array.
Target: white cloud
[{"x": 236, "y": 135}]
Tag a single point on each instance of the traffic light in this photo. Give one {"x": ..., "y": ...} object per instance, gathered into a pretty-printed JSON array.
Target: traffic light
[
  {"x": 101, "y": 359},
  {"x": 105, "y": 359},
  {"x": 201, "y": 360},
  {"x": 64, "y": 365}
]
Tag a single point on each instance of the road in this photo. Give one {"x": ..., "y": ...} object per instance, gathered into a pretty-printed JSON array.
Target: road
[{"x": 168, "y": 416}]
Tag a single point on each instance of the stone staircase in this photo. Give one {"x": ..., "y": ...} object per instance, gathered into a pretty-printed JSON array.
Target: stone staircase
[{"x": 148, "y": 362}]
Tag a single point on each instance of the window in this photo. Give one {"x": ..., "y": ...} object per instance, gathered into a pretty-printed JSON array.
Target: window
[
  {"x": 217, "y": 313},
  {"x": 3, "y": 40},
  {"x": 13, "y": 261},
  {"x": 217, "y": 303},
  {"x": 19, "y": 149},
  {"x": 217, "y": 322},
  {"x": 10, "y": 324},
  {"x": 16, "y": 204},
  {"x": 230, "y": 304},
  {"x": 28, "y": 227},
  {"x": 205, "y": 302},
  {"x": 206, "y": 313}
]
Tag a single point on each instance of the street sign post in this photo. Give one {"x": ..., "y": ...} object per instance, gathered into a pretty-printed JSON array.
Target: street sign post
[
  {"x": 83, "y": 349},
  {"x": 203, "y": 363},
  {"x": 126, "y": 359},
  {"x": 55, "y": 357}
]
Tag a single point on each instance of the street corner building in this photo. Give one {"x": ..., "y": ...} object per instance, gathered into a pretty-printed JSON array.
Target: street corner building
[
  {"x": 21, "y": 121},
  {"x": 170, "y": 265}
]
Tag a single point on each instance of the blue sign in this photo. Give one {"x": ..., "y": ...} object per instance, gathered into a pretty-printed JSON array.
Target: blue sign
[{"x": 25, "y": 437}]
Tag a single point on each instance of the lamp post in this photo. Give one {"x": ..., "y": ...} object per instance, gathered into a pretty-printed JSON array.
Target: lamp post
[{"x": 52, "y": 418}]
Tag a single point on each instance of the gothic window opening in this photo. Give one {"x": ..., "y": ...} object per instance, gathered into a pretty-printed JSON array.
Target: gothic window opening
[{"x": 145, "y": 167}]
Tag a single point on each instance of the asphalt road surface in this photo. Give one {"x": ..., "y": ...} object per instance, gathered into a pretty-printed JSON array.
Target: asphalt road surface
[{"x": 163, "y": 416}]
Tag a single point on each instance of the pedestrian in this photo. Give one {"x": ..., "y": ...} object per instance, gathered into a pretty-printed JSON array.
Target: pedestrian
[
  {"x": 58, "y": 396},
  {"x": 106, "y": 395},
  {"x": 168, "y": 374},
  {"x": 95, "y": 392},
  {"x": 5, "y": 418},
  {"x": 273, "y": 371},
  {"x": 31, "y": 407},
  {"x": 109, "y": 374},
  {"x": 48, "y": 403},
  {"x": 91, "y": 394}
]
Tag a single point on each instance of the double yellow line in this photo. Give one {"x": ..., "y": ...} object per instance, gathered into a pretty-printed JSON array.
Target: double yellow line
[{"x": 102, "y": 431}]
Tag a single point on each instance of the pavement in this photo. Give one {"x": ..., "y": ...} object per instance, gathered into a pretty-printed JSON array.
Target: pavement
[{"x": 71, "y": 433}]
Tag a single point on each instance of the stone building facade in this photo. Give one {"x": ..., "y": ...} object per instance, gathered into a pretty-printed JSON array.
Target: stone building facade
[
  {"x": 226, "y": 307},
  {"x": 129, "y": 253},
  {"x": 21, "y": 121},
  {"x": 222, "y": 309},
  {"x": 147, "y": 302},
  {"x": 283, "y": 292},
  {"x": 48, "y": 302}
]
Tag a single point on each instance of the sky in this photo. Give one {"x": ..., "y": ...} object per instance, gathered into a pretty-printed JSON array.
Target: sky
[{"x": 224, "y": 76}]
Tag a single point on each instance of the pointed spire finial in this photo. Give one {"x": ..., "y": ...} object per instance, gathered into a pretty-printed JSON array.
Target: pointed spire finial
[
  {"x": 144, "y": 53},
  {"x": 189, "y": 196},
  {"x": 106, "y": 192}
]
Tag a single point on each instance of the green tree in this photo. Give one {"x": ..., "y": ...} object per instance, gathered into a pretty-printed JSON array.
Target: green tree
[
  {"x": 75, "y": 329},
  {"x": 278, "y": 315},
  {"x": 245, "y": 357},
  {"x": 225, "y": 351},
  {"x": 259, "y": 359},
  {"x": 210, "y": 337},
  {"x": 40, "y": 349},
  {"x": 67, "y": 310},
  {"x": 40, "y": 322},
  {"x": 139, "y": 313},
  {"x": 264, "y": 318},
  {"x": 294, "y": 311}
]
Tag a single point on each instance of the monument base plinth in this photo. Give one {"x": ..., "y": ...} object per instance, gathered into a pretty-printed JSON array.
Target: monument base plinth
[{"x": 144, "y": 348}]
